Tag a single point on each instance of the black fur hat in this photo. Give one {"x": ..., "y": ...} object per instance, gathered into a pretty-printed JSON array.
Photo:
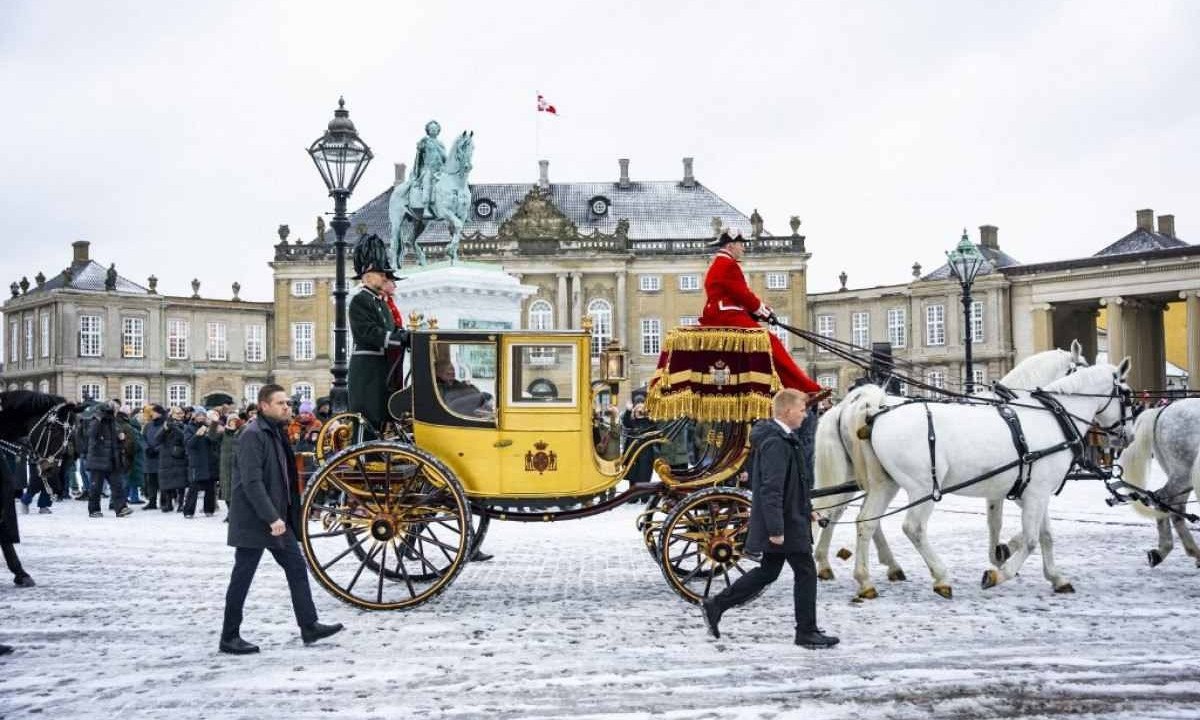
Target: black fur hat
[
  {"x": 725, "y": 239},
  {"x": 371, "y": 255}
]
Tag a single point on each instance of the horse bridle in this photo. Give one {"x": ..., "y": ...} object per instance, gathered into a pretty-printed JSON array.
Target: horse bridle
[{"x": 37, "y": 448}]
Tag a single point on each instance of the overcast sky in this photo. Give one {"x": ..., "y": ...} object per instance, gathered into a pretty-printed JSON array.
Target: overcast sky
[{"x": 172, "y": 135}]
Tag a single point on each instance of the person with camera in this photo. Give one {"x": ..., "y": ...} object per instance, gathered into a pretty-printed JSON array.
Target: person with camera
[
  {"x": 636, "y": 426},
  {"x": 155, "y": 416},
  {"x": 173, "y": 461},
  {"x": 107, "y": 461},
  {"x": 204, "y": 463}
]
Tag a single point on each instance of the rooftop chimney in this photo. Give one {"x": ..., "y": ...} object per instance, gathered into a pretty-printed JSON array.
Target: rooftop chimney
[
  {"x": 624, "y": 181},
  {"x": 987, "y": 236},
  {"x": 689, "y": 180},
  {"x": 544, "y": 174},
  {"x": 80, "y": 248},
  {"x": 400, "y": 170},
  {"x": 1166, "y": 225},
  {"x": 1145, "y": 220}
]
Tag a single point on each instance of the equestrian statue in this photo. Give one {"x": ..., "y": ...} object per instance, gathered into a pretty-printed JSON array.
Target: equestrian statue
[{"x": 437, "y": 190}]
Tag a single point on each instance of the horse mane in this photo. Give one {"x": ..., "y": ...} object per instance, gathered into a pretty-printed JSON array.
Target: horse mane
[
  {"x": 1027, "y": 374},
  {"x": 20, "y": 408},
  {"x": 454, "y": 157},
  {"x": 1077, "y": 381}
]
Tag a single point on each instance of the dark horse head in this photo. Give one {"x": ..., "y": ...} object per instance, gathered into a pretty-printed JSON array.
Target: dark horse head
[{"x": 39, "y": 422}]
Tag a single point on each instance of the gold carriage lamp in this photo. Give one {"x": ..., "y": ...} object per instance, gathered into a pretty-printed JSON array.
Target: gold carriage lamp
[{"x": 612, "y": 363}]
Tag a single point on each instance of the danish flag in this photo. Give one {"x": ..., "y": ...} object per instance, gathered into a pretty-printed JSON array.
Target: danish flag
[{"x": 546, "y": 107}]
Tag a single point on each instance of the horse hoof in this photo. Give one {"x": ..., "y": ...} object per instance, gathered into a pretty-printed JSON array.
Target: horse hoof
[
  {"x": 825, "y": 574},
  {"x": 991, "y": 579},
  {"x": 1155, "y": 558},
  {"x": 868, "y": 594},
  {"x": 944, "y": 591},
  {"x": 1065, "y": 589},
  {"x": 844, "y": 554},
  {"x": 897, "y": 575},
  {"x": 1002, "y": 554}
]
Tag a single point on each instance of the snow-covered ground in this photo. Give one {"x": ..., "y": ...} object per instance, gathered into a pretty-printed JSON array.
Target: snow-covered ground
[{"x": 573, "y": 619}]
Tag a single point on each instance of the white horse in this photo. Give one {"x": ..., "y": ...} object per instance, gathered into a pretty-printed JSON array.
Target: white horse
[
  {"x": 1170, "y": 435},
  {"x": 973, "y": 440},
  {"x": 833, "y": 463}
]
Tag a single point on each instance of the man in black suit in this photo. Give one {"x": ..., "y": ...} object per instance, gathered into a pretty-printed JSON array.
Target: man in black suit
[
  {"x": 780, "y": 521},
  {"x": 264, "y": 514}
]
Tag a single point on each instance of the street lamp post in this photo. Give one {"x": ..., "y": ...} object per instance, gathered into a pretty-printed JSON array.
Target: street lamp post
[
  {"x": 341, "y": 157},
  {"x": 965, "y": 262}
]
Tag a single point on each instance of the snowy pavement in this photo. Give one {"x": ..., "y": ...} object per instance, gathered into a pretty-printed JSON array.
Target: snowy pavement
[{"x": 573, "y": 619}]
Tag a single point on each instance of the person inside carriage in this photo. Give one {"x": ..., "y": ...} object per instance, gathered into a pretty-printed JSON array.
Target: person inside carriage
[{"x": 729, "y": 302}]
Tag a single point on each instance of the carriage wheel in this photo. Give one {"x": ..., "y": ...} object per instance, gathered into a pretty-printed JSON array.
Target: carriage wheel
[
  {"x": 338, "y": 433},
  {"x": 650, "y": 521},
  {"x": 479, "y": 529},
  {"x": 385, "y": 511},
  {"x": 702, "y": 540}
]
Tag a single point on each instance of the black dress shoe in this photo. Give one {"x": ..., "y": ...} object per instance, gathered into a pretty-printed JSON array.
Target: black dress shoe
[
  {"x": 6, "y": 649},
  {"x": 815, "y": 640},
  {"x": 312, "y": 633},
  {"x": 712, "y": 617},
  {"x": 237, "y": 646},
  {"x": 481, "y": 556},
  {"x": 23, "y": 580},
  {"x": 151, "y": 506}
]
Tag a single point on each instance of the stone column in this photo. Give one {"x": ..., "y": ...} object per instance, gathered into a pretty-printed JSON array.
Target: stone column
[
  {"x": 1116, "y": 329},
  {"x": 576, "y": 300},
  {"x": 621, "y": 321},
  {"x": 1192, "y": 334},
  {"x": 562, "y": 303},
  {"x": 1043, "y": 327},
  {"x": 1156, "y": 372}
]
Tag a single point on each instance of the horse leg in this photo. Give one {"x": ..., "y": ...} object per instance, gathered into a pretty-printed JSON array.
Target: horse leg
[
  {"x": 874, "y": 505},
  {"x": 995, "y": 520},
  {"x": 1049, "y": 570},
  {"x": 1032, "y": 512},
  {"x": 1165, "y": 542},
  {"x": 916, "y": 527},
  {"x": 882, "y": 549},
  {"x": 1185, "y": 534}
]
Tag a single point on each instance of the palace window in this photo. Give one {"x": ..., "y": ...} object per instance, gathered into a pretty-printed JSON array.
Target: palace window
[
  {"x": 825, "y": 328},
  {"x": 133, "y": 395},
  {"x": 977, "y": 321},
  {"x": 935, "y": 325},
  {"x": 303, "y": 390},
  {"x": 936, "y": 378},
  {"x": 979, "y": 377},
  {"x": 860, "y": 329},
  {"x": 45, "y": 334},
  {"x": 827, "y": 381},
  {"x": 689, "y": 321},
  {"x": 302, "y": 341},
  {"x": 14, "y": 342},
  {"x": 29, "y": 338},
  {"x": 44, "y": 386},
  {"x": 179, "y": 394},
  {"x": 218, "y": 348},
  {"x": 91, "y": 335},
  {"x": 784, "y": 336},
  {"x": 250, "y": 392},
  {"x": 777, "y": 281},
  {"x": 177, "y": 339},
  {"x": 651, "y": 336},
  {"x": 133, "y": 337},
  {"x": 649, "y": 283},
  {"x": 303, "y": 288},
  {"x": 601, "y": 314},
  {"x": 541, "y": 315},
  {"x": 897, "y": 319},
  {"x": 90, "y": 391},
  {"x": 689, "y": 283},
  {"x": 256, "y": 340}
]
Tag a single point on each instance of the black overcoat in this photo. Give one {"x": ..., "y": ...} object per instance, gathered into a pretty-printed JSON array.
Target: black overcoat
[
  {"x": 373, "y": 331},
  {"x": 780, "y": 479},
  {"x": 172, "y": 457},
  {"x": 264, "y": 487}
]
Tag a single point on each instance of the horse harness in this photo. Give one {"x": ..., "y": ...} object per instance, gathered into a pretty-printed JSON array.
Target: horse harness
[{"x": 39, "y": 446}]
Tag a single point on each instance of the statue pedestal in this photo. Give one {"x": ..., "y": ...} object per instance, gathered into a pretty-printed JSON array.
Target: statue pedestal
[{"x": 463, "y": 296}]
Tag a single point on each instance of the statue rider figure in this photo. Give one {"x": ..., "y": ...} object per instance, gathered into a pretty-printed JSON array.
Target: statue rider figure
[{"x": 431, "y": 156}]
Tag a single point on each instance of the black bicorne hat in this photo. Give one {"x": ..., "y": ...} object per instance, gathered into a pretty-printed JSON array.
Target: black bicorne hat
[
  {"x": 371, "y": 255},
  {"x": 725, "y": 239}
]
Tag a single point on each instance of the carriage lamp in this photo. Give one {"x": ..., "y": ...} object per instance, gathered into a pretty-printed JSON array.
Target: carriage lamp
[
  {"x": 612, "y": 360},
  {"x": 341, "y": 157},
  {"x": 965, "y": 262}
]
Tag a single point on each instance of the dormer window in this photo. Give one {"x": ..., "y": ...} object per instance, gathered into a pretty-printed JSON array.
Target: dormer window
[
  {"x": 599, "y": 205},
  {"x": 484, "y": 209}
]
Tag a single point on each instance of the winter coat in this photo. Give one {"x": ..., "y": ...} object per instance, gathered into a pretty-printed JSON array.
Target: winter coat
[
  {"x": 229, "y": 444},
  {"x": 264, "y": 487},
  {"x": 172, "y": 457},
  {"x": 152, "y": 434},
  {"x": 137, "y": 464},
  {"x": 781, "y": 480},
  {"x": 9, "y": 531},
  {"x": 201, "y": 449},
  {"x": 104, "y": 449},
  {"x": 642, "y": 469}
]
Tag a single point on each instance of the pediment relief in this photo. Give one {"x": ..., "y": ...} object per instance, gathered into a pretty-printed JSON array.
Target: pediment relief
[{"x": 537, "y": 218}]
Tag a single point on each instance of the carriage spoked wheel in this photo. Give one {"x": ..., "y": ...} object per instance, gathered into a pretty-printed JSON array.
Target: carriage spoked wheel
[
  {"x": 702, "y": 540},
  {"x": 388, "y": 526},
  {"x": 649, "y": 524}
]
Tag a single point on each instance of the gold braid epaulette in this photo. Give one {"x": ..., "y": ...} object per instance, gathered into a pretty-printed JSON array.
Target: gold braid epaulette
[
  {"x": 738, "y": 340},
  {"x": 708, "y": 408}
]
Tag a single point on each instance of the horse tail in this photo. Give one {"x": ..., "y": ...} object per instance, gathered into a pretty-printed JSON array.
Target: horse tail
[
  {"x": 831, "y": 464},
  {"x": 856, "y": 426},
  {"x": 1135, "y": 459}
]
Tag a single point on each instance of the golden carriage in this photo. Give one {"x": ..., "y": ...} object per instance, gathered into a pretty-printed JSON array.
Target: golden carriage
[{"x": 500, "y": 425}]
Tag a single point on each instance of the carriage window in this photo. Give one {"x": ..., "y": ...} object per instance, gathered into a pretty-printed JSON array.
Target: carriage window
[
  {"x": 543, "y": 375},
  {"x": 465, "y": 378}
]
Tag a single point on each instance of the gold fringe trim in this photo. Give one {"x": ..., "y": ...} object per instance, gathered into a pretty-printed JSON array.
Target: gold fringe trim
[
  {"x": 708, "y": 408},
  {"x": 738, "y": 340},
  {"x": 732, "y": 379}
]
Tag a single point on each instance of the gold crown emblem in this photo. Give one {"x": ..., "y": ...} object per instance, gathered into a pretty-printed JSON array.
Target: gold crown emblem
[{"x": 541, "y": 445}]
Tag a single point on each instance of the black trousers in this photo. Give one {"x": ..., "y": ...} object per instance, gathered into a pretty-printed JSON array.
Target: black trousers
[
  {"x": 245, "y": 563},
  {"x": 116, "y": 484},
  {"x": 210, "y": 497},
  {"x": 11, "y": 559},
  {"x": 804, "y": 592},
  {"x": 151, "y": 481}
]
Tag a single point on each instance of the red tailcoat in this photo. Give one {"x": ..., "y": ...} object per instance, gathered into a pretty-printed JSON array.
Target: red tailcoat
[{"x": 730, "y": 302}]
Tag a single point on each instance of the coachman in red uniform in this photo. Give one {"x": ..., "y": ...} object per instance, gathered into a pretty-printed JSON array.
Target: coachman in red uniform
[{"x": 730, "y": 302}]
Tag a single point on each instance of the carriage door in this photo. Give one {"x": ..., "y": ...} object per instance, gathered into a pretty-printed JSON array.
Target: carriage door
[{"x": 540, "y": 419}]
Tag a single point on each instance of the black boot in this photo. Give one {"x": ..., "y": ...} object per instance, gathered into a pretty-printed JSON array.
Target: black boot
[
  {"x": 815, "y": 640},
  {"x": 312, "y": 633},
  {"x": 235, "y": 645},
  {"x": 712, "y": 617},
  {"x": 5, "y": 649}
]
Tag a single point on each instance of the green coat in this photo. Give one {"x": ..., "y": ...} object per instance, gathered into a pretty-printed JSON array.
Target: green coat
[{"x": 373, "y": 331}]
